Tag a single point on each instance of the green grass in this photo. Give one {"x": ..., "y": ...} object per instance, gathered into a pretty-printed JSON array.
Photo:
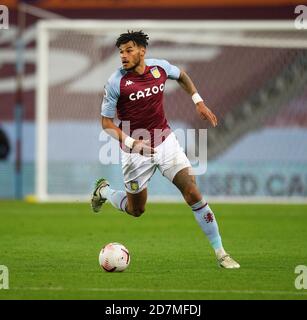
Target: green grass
[{"x": 51, "y": 251}]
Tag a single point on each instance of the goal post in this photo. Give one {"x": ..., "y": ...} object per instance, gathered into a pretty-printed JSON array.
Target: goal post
[
  {"x": 41, "y": 169},
  {"x": 240, "y": 67}
]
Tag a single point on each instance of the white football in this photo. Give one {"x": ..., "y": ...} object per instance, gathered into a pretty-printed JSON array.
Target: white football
[{"x": 114, "y": 257}]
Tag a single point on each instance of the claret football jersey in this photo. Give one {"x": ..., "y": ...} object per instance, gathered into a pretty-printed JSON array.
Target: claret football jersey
[{"x": 138, "y": 100}]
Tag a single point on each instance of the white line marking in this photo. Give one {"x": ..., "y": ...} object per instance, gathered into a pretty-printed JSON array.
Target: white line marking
[{"x": 304, "y": 293}]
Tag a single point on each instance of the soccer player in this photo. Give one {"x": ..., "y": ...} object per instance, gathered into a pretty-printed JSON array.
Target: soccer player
[{"x": 135, "y": 93}]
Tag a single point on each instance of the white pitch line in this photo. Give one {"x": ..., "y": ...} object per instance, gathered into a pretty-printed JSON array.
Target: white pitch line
[{"x": 304, "y": 293}]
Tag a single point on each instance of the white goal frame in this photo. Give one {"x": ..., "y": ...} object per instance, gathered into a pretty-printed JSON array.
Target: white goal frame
[{"x": 44, "y": 26}]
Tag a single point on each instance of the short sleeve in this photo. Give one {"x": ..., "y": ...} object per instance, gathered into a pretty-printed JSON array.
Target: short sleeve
[
  {"x": 110, "y": 98},
  {"x": 173, "y": 72}
]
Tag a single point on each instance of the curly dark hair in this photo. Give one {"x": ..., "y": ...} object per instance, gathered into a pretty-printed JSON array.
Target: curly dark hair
[{"x": 138, "y": 37}]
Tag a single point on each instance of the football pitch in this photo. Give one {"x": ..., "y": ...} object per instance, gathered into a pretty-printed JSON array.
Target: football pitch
[{"x": 51, "y": 251}]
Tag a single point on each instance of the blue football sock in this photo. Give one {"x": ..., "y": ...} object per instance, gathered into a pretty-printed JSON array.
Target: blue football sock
[
  {"x": 118, "y": 198},
  {"x": 206, "y": 220}
]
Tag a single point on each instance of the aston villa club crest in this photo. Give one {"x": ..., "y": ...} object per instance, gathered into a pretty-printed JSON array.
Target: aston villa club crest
[
  {"x": 209, "y": 217},
  {"x": 155, "y": 72},
  {"x": 134, "y": 185}
]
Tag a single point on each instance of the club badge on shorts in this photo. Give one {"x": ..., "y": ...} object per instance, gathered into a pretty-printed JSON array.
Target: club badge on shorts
[
  {"x": 134, "y": 185},
  {"x": 155, "y": 72}
]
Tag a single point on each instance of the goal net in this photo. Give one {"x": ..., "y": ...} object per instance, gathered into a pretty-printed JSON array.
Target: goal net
[{"x": 253, "y": 75}]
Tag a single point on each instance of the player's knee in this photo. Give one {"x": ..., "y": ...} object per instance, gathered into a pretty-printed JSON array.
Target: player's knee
[
  {"x": 136, "y": 212},
  {"x": 191, "y": 193}
]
